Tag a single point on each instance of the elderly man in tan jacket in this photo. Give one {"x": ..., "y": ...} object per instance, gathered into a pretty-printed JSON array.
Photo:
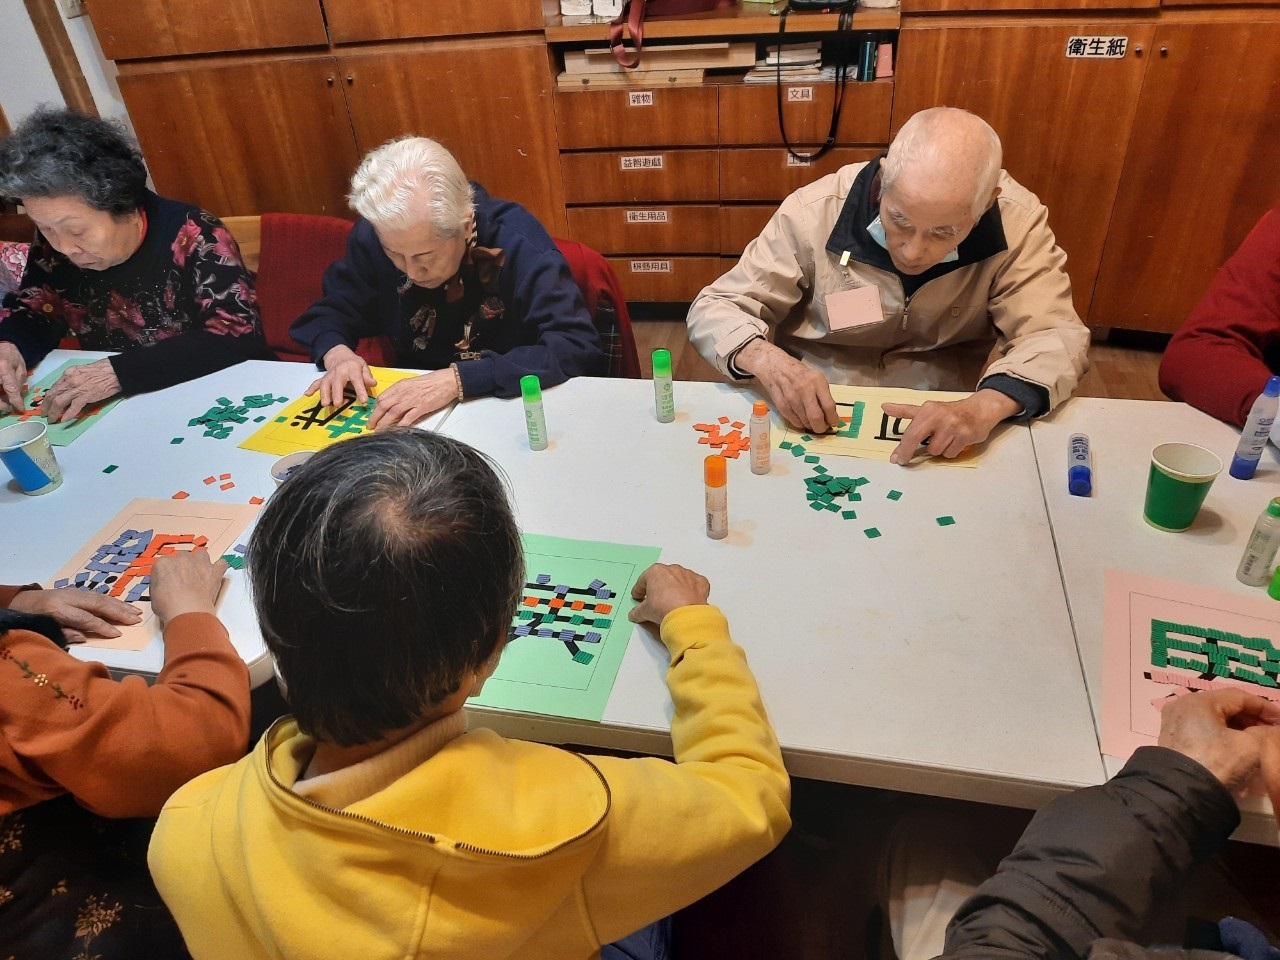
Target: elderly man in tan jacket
[{"x": 904, "y": 271}]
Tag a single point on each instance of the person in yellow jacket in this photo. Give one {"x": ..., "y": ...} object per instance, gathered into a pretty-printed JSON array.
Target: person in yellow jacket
[{"x": 373, "y": 824}]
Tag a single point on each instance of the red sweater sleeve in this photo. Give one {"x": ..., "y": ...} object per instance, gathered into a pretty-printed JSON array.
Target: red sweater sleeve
[
  {"x": 120, "y": 748},
  {"x": 1216, "y": 360}
]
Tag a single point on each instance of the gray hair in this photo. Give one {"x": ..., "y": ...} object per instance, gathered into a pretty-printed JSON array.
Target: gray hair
[
  {"x": 384, "y": 570},
  {"x": 61, "y": 153},
  {"x": 410, "y": 181},
  {"x": 946, "y": 136}
]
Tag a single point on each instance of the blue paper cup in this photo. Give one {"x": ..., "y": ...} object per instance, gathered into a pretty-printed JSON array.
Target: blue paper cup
[{"x": 27, "y": 453}]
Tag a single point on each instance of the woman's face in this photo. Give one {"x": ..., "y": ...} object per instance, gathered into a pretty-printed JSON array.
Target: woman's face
[
  {"x": 426, "y": 259},
  {"x": 91, "y": 239}
]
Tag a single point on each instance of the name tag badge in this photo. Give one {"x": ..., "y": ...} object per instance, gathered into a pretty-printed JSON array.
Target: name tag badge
[{"x": 855, "y": 307}]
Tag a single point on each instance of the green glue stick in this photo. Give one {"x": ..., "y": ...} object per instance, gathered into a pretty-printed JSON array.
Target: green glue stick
[
  {"x": 535, "y": 420},
  {"x": 664, "y": 398}
]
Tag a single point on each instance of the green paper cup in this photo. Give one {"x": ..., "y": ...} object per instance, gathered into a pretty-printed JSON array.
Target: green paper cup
[{"x": 1180, "y": 478}]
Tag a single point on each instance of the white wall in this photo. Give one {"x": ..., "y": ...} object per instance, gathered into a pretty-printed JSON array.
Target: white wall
[{"x": 27, "y": 80}]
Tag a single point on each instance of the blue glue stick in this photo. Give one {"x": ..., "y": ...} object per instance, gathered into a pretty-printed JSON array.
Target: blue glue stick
[{"x": 1079, "y": 466}]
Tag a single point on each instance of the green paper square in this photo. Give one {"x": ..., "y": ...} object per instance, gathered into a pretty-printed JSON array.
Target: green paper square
[
  {"x": 894, "y": 494},
  {"x": 176, "y": 440},
  {"x": 850, "y": 514},
  {"x": 946, "y": 521},
  {"x": 871, "y": 533}
]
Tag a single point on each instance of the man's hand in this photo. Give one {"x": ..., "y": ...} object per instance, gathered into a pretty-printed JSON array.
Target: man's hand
[
  {"x": 664, "y": 587},
  {"x": 799, "y": 393},
  {"x": 406, "y": 402},
  {"x": 13, "y": 378},
  {"x": 185, "y": 583},
  {"x": 77, "y": 388},
  {"x": 344, "y": 370},
  {"x": 81, "y": 613},
  {"x": 949, "y": 425},
  {"x": 1230, "y": 733}
]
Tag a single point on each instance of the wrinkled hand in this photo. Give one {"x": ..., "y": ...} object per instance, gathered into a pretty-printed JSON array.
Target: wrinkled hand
[
  {"x": 77, "y": 388},
  {"x": 406, "y": 402},
  {"x": 80, "y": 613},
  {"x": 664, "y": 587},
  {"x": 13, "y": 378},
  {"x": 799, "y": 393},
  {"x": 949, "y": 425},
  {"x": 1230, "y": 733},
  {"x": 345, "y": 371},
  {"x": 186, "y": 582}
]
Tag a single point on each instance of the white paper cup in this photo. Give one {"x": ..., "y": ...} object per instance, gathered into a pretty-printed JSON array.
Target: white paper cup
[
  {"x": 26, "y": 451},
  {"x": 281, "y": 469}
]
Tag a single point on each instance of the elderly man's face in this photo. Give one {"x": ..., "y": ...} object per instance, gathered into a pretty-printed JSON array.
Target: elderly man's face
[
  {"x": 923, "y": 222},
  {"x": 426, "y": 259}
]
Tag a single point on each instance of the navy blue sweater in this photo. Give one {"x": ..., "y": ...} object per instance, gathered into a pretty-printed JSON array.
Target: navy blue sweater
[{"x": 526, "y": 316}]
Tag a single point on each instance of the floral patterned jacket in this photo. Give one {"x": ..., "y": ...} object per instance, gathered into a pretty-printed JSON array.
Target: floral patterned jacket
[{"x": 185, "y": 295}]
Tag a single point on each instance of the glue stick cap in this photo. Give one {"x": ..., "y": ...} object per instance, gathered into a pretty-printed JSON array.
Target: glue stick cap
[
  {"x": 714, "y": 471},
  {"x": 1273, "y": 591},
  {"x": 1272, "y": 389},
  {"x": 662, "y": 363},
  {"x": 1273, "y": 507},
  {"x": 1080, "y": 481},
  {"x": 530, "y": 388},
  {"x": 761, "y": 409}
]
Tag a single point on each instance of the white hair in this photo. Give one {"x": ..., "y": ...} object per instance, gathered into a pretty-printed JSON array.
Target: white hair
[
  {"x": 410, "y": 181},
  {"x": 949, "y": 138}
]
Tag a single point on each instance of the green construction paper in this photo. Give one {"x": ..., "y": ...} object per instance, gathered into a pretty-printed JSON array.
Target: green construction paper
[
  {"x": 60, "y": 434},
  {"x": 871, "y": 533},
  {"x": 540, "y": 674},
  {"x": 946, "y": 521},
  {"x": 894, "y": 494}
]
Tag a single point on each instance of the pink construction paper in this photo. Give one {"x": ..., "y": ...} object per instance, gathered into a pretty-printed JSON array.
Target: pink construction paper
[{"x": 1133, "y": 690}]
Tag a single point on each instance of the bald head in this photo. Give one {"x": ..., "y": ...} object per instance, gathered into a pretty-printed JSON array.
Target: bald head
[{"x": 947, "y": 153}]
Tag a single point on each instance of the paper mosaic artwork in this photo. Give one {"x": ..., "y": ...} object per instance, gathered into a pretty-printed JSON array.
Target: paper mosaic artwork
[
  {"x": 60, "y": 434},
  {"x": 866, "y": 430},
  {"x": 570, "y": 631},
  {"x": 117, "y": 559},
  {"x": 307, "y": 425}
]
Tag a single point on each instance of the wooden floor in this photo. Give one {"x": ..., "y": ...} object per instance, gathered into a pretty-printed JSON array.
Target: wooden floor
[{"x": 810, "y": 899}]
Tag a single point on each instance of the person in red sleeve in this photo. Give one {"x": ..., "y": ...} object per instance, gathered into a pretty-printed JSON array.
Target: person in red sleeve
[{"x": 1221, "y": 358}]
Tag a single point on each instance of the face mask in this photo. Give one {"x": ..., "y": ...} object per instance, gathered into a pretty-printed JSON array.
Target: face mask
[{"x": 876, "y": 229}]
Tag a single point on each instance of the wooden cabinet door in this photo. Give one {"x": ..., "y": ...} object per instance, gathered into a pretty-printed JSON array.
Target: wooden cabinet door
[
  {"x": 749, "y": 112},
  {"x": 131, "y": 29},
  {"x": 489, "y": 103},
  {"x": 660, "y": 117},
  {"x": 355, "y": 20},
  {"x": 671, "y": 228},
  {"x": 771, "y": 174},
  {"x": 1030, "y": 6},
  {"x": 1202, "y": 168},
  {"x": 1064, "y": 123},
  {"x": 647, "y": 176},
  {"x": 250, "y": 137}
]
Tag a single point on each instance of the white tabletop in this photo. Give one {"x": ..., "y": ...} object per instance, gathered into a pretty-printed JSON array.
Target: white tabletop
[
  {"x": 41, "y": 533},
  {"x": 933, "y": 659},
  {"x": 1106, "y": 529}
]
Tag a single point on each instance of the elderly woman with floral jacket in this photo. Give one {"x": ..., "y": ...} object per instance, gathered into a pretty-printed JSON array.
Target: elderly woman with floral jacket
[{"x": 117, "y": 267}]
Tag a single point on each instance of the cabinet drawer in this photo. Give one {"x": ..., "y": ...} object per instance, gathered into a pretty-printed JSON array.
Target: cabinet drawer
[
  {"x": 668, "y": 117},
  {"x": 352, "y": 21},
  {"x": 770, "y": 175},
  {"x": 740, "y": 225},
  {"x": 749, "y": 112},
  {"x": 648, "y": 176},
  {"x": 665, "y": 278},
  {"x": 669, "y": 229}
]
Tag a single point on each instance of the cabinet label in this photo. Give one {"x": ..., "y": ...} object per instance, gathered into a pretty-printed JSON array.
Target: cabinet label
[
  {"x": 640, "y": 98},
  {"x": 650, "y": 266},
  {"x": 648, "y": 162},
  {"x": 798, "y": 161},
  {"x": 646, "y": 216},
  {"x": 799, "y": 94},
  {"x": 1098, "y": 48}
]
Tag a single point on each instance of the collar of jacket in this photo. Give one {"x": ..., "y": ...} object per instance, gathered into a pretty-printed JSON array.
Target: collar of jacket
[{"x": 862, "y": 206}]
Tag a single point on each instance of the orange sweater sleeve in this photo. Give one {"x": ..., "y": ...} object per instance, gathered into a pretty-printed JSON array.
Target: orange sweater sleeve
[{"x": 121, "y": 748}]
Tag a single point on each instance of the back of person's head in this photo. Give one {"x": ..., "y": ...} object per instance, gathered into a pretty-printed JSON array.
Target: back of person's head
[
  {"x": 384, "y": 570},
  {"x": 413, "y": 181},
  {"x": 947, "y": 145},
  {"x": 62, "y": 153}
]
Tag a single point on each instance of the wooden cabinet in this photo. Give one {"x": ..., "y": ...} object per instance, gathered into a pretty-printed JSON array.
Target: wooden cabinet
[
  {"x": 132, "y": 29},
  {"x": 351, "y": 21},
  {"x": 1064, "y": 123},
  {"x": 1200, "y": 170},
  {"x": 673, "y": 182}
]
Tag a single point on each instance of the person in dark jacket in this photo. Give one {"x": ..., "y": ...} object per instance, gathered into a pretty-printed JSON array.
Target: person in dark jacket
[
  {"x": 116, "y": 266},
  {"x": 466, "y": 286},
  {"x": 1094, "y": 871}
]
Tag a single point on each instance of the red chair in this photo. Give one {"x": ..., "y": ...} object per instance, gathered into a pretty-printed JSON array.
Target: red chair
[{"x": 607, "y": 306}]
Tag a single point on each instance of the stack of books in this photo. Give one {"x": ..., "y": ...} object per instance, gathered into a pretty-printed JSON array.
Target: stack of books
[{"x": 797, "y": 62}]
